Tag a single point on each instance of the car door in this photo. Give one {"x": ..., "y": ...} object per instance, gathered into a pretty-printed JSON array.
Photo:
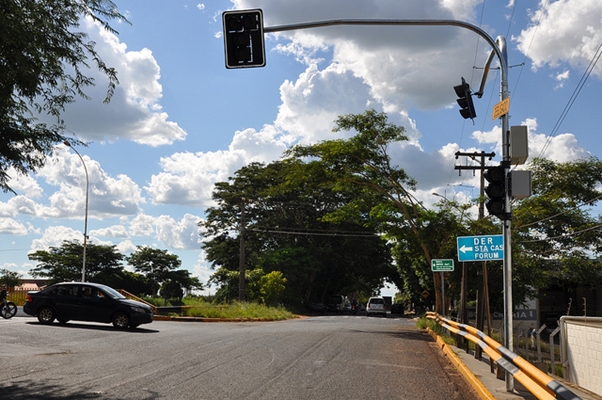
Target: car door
[
  {"x": 66, "y": 299},
  {"x": 94, "y": 305}
]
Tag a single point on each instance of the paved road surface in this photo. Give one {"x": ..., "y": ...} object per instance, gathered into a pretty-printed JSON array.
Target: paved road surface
[{"x": 326, "y": 357}]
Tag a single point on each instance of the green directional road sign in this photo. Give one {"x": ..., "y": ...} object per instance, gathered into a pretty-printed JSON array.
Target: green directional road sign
[{"x": 442, "y": 265}]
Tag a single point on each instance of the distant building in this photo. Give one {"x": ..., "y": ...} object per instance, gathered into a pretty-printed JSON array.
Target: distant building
[{"x": 32, "y": 284}]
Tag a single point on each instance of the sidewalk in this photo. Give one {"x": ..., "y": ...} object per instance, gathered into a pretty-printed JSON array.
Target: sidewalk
[{"x": 489, "y": 386}]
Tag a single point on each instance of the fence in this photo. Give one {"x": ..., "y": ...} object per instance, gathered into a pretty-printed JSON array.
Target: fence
[
  {"x": 18, "y": 295},
  {"x": 581, "y": 351},
  {"x": 533, "y": 379}
]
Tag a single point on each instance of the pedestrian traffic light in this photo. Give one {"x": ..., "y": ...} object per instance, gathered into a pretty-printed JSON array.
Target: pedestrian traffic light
[
  {"x": 496, "y": 191},
  {"x": 465, "y": 100},
  {"x": 243, "y": 38}
]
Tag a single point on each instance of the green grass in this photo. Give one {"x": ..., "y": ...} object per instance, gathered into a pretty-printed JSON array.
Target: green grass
[
  {"x": 236, "y": 310},
  {"x": 424, "y": 323},
  {"x": 199, "y": 307}
]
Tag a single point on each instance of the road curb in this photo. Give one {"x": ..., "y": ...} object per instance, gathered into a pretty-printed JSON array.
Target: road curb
[
  {"x": 204, "y": 319},
  {"x": 472, "y": 380}
]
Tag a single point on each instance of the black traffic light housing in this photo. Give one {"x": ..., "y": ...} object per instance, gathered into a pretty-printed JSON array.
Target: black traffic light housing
[
  {"x": 465, "y": 100},
  {"x": 496, "y": 191},
  {"x": 243, "y": 38}
]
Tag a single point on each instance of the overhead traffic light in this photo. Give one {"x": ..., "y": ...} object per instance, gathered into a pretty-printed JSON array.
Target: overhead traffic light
[
  {"x": 243, "y": 38},
  {"x": 465, "y": 100},
  {"x": 496, "y": 191}
]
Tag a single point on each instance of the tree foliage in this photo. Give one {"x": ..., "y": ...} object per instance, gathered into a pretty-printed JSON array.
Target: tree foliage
[
  {"x": 154, "y": 268},
  {"x": 284, "y": 205},
  {"x": 63, "y": 264},
  {"x": 299, "y": 211},
  {"x": 556, "y": 237},
  {"x": 382, "y": 190},
  {"x": 43, "y": 58},
  {"x": 9, "y": 279},
  {"x": 157, "y": 265}
]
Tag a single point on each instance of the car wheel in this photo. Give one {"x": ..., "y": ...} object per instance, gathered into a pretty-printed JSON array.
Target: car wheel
[
  {"x": 121, "y": 320},
  {"x": 46, "y": 315}
]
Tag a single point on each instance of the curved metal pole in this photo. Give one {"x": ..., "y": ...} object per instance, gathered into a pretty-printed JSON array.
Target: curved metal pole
[
  {"x": 405, "y": 22},
  {"x": 86, "y": 210}
]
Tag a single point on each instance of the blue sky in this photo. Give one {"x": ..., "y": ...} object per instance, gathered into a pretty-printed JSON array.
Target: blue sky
[{"x": 180, "y": 121}]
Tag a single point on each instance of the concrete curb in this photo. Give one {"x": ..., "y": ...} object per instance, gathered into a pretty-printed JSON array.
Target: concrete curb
[
  {"x": 204, "y": 319},
  {"x": 472, "y": 380}
]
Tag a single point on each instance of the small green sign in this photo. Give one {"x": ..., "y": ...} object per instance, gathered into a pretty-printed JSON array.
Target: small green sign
[{"x": 442, "y": 265}]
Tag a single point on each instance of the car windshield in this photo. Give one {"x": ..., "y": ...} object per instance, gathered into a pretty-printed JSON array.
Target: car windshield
[
  {"x": 377, "y": 301},
  {"x": 112, "y": 293}
]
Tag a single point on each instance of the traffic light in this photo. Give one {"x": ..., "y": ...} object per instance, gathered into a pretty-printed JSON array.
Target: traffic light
[
  {"x": 496, "y": 191},
  {"x": 243, "y": 38},
  {"x": 465, "y": 100}
]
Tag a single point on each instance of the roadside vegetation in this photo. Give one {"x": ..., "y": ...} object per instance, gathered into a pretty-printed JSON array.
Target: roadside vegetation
[{"x": 193, "y": 306}]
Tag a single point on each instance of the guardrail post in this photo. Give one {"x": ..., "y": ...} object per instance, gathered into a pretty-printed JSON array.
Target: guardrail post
[
  {"x": 552, "y": 350},
  {"x": 538, "y": 334}
]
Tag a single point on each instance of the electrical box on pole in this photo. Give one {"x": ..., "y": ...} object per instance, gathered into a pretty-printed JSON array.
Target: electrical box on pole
[
  {"x": 243, "y": 38},
  {"x": 519, "y": 145},
  {"x": 520, "y": 184}
]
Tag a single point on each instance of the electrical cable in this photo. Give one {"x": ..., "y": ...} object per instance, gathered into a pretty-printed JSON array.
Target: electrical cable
[
  {"x": 314, "y": 233},
  {"x": 573, "y": 97},
  {"x": 563, "y": 236},
  {"x": 559, "y": 214}
]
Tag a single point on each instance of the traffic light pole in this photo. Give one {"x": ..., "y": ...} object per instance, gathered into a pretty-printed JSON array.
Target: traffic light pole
[{"x": 498, "y": 49}]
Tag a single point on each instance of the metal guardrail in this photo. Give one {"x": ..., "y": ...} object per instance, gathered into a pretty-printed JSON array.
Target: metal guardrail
[{"x": 540, "y": 384}]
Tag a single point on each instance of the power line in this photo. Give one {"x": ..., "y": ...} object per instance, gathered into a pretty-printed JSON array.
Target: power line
[
  {"x": 573, "y": 97},
  {"x": 530, "y": 43},
  {"x": 313, "y": 233},
  {"x": 563, "y": 236},
  {"x": 561, "y": 213}
]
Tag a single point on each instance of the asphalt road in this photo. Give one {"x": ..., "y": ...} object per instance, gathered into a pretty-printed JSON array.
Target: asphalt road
[{"x": 325, "y": 357}]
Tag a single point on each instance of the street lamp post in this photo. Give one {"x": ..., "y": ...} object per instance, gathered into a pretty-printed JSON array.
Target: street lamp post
[{"x": 86, "y": 210}]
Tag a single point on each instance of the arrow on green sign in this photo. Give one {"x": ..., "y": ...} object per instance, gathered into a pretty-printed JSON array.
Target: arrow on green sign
[{"x": 442, "y": 265}]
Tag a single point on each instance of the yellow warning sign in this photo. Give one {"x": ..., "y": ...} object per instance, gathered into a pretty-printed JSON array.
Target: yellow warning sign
[{"x": 501, "y": 108}]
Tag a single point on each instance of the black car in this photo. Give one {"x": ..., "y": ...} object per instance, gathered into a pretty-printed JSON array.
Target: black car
[
  {"x": 86, "y": 301},
  {"x": 336, "y": 303}
]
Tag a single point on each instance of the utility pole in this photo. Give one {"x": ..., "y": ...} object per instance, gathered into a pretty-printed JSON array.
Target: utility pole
[
  {"x": 241, "y": 254},
  {"x": 483, "y": 312}
]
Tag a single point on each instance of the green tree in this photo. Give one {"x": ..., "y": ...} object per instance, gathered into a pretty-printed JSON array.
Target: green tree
[
  {"x": 272, "y": 286},
  {"x": 62, "y": 264},
  {"x": 9, "y": 279},
  {"x": 177, "y": 282},
  {"x": 284, "y": 204},
  {"x": 556, "y": 239},
  {"x": 362, "y": 165},
  {"x": 227, "y": 283},
  {"x": 43, "y": 57},
  {"x": 155, "y": 264}
]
